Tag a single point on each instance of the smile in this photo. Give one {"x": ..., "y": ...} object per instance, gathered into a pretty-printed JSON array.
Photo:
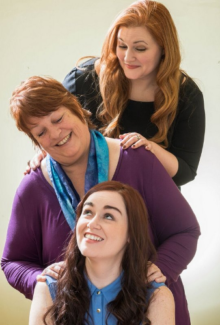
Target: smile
[
  {"x": 93, "y": 237},
  {"x": 62, "y": 142},
  {"x": 131, "y": 66}
]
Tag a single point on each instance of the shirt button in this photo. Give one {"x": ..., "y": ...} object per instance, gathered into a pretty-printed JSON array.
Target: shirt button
[
  {"x": 98, "y": 292},
  {"x": 98, "y": 310}
]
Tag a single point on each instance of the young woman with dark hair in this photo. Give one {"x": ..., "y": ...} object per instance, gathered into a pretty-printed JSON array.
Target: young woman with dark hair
[{"x": 104, "y": 280}]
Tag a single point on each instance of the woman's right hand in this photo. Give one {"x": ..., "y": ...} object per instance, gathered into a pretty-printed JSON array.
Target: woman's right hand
[
  {"x": 52, "y": 270},
  {"x": 35, "y": 162}
]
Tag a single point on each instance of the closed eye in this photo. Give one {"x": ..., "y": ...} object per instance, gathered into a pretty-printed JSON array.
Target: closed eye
[
  {"x": 141, "y": 50},
  {"x": 59, "y": 120},
  {"x": 122, "y": 46},
  {"x": 40, "y": 134}
]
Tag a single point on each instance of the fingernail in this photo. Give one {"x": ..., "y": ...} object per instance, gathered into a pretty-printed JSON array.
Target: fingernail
[{"x": 133, "y": 146}]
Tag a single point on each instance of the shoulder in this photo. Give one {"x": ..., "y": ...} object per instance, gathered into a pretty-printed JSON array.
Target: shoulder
[
  {"x": 82, "y": 74},
  {"x": 40, "y": 304},
  {"x": 42, "y": 290},
  {"x": 141, "y": 158},
  {"x": 162, "y": 300},
  {"x": 31, "y": 182},
  {"x": 189, "y": 91},
  {"x": 52, "y": 286},
  {"x": 114, "y": 155},
  {"x": 34, "y": 194},
  {"x": 162, "y": 295}
]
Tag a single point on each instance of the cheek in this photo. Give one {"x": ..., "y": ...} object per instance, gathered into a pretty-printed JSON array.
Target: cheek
[{"x": 119, "y": 54}]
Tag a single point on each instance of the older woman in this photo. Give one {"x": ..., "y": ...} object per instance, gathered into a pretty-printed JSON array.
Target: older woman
[
  {"x": 106, "y": 266},
  {"x": 137, "y": 87},
  {"x": 78, "y": 158}
]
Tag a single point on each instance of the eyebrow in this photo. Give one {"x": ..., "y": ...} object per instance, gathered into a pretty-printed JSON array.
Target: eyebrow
[
  {"x": 105, "y": 207},
  {"x": 32, "y": 126},
  {"x": 140, "y": 41}
]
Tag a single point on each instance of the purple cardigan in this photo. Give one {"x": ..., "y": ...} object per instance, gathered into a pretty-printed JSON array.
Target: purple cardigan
[{"x": 38, "y": 232}]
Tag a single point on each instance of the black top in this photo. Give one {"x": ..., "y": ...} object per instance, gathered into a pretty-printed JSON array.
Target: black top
[{"x": 185, "y": 136}]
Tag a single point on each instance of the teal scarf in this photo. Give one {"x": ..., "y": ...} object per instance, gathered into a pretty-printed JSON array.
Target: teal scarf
[{"x": 97, "y": 172}]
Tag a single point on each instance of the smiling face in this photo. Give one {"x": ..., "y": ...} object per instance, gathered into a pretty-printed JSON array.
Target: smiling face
[
  {"x": 62, "y": 135},
  {"x": 102, "y": 229},
  {"x": 138, "y": 53}
]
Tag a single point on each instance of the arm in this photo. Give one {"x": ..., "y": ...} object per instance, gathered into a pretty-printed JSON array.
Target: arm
[
  {"x": 20, "y": 261},
  {"x": 188, "y": 133},
  {"x": 161, "y": 310},
  {"x": 186, "y": 137},
  {"x": 173, "y": 223},
  {"x": 40, "y": 304}
]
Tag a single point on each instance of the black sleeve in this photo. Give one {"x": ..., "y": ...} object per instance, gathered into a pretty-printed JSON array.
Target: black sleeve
[
  {"x": 83, "y": 82},
  {"x": 188, "y": 132}
]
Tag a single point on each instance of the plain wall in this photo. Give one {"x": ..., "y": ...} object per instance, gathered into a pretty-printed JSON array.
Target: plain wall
[{"x": 46, "y": 37}]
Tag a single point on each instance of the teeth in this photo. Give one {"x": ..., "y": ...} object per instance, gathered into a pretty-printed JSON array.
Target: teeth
[
  {"x": 64, "y": 140},
  {"x": 93, "y": 237}
]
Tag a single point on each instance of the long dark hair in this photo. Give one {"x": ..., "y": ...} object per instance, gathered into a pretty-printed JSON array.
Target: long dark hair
[{"x": 72, "y": 302}]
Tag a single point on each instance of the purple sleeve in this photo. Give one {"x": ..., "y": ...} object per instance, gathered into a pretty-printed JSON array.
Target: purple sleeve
[
  {"x": 173, "y": 223},
  {"x": 20, "y": 261}
]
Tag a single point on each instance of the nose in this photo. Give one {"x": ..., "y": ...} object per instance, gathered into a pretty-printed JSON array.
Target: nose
[
  {"x": 94, "y": 223},
  {"x": 55, "y": 132},
  {"x": 129, "y": 55}
]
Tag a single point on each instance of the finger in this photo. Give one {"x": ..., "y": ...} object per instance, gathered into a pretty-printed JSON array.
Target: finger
[
  {"x": 33, "y": 165},
  {"x": 161, "y": 279},
  {"x": 41, "y": 278},
  {"x": 61, "y": 264},
  {"x": 132, "y": 140},
  {"x": 149, "y": 147},
  {"x": 51, "y": 273},
  {"x": 126, "y": 138},
  {"x": 155, "y": 275},
  {"x": 27, "y": 171}
]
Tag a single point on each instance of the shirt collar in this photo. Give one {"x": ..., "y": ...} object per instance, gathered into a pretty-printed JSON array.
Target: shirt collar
[{"x": 110, "y": 291}]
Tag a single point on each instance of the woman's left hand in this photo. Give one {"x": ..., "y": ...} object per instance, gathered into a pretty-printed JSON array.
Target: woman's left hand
[
  {"x": 155, "y": 274},
  {"x": 135, "y": 140}
]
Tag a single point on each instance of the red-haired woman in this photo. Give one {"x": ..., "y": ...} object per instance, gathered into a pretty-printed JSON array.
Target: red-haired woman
[
  {"x": 138, "y": 88},
  {"x": 104, "y": 278}
]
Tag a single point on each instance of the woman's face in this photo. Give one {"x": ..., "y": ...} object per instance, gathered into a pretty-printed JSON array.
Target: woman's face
[
  {"x": 102, "y": 229},
  {"x": 61, "y": 134},
  {"x": 138, "y": 53}
]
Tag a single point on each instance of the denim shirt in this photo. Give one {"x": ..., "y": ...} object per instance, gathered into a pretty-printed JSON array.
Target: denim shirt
[{"x": 101, "y": 297}]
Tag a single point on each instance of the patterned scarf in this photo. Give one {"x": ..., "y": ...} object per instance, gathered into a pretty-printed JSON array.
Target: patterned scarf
[{"x": 97, "y": 172}]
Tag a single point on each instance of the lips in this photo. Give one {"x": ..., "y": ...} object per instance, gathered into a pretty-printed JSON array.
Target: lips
[
  {"x": 131, "y": 66},
  {"x": 62, "y": 142}
]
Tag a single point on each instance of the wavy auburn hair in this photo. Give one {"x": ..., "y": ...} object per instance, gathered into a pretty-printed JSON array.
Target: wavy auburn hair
[
  {"x": 38, "y": 97},
  {"x": 114, "y": 85},
  {"x": 72, "y": 302}
]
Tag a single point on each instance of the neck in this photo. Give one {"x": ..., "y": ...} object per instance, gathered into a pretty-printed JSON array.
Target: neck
[
  {"x": 143, "y": 89},
  {"x": 77, "y": 170},
  {"x": 102, "y": 273}
]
